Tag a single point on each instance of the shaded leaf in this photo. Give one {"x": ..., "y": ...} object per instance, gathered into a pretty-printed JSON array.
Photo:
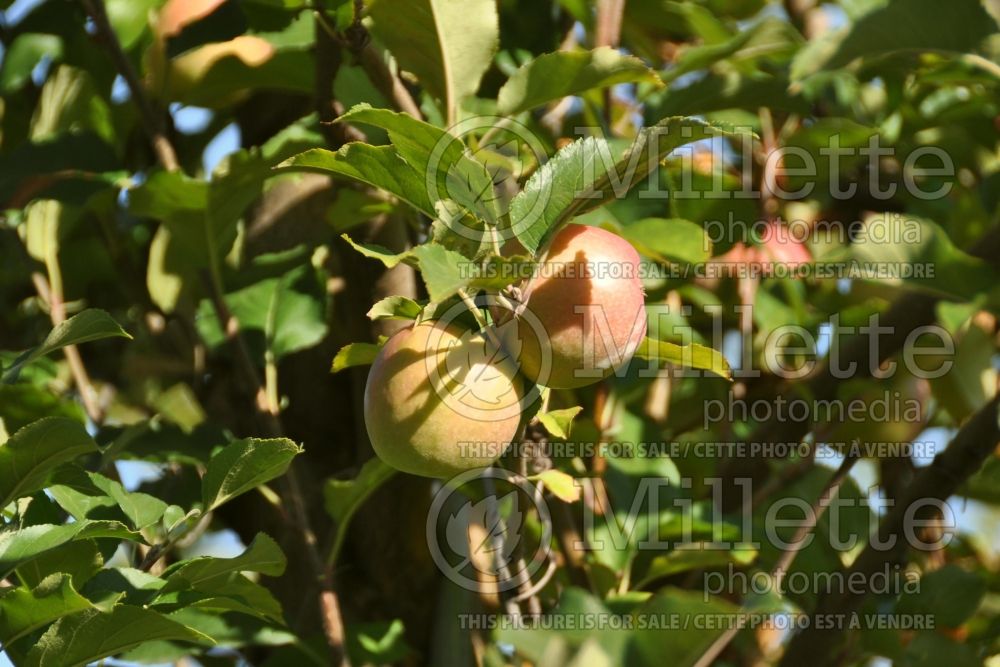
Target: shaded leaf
[
  {"x": 552, "y": 76},
  {"x": 89, "y": 325},
  {"x": 344, "y": 497},
  {"x": 377, "y": 166},
  {"x": 23, "y": 610},
  {"x": 203, "y": 573},
  {"x": 92, "y": 635},
  {"x": 28, "y": 457},
  {"x": 448, "y": 45}
]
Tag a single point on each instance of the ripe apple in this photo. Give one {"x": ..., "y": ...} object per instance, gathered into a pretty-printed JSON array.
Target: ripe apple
[
  {"x": 585, "y": 312},
  {"x": 440, "y": 400}
]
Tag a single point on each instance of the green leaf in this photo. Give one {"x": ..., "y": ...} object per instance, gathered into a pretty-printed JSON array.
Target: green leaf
[
  {"x": 951, "y": 595},
  {"x": 81, "y": 560},
  {"x": 141, "y": 509},
  {"x": 559, "y": 422},
  {"x": 686, "y": 356},
  {"x": 384, "y": 255},
  {"x": 395, "y": 308},
  {"x": 287, "y": 311},
  {"x": 199, "y": 221},
  {"x": 344, "y": 497},
  {"x": 232, "y": 592},
  {"x": 948, "y": 270},
  {"x": 560, "y": 484},
  {"x": 377, "y": 643},
  {"x": 23, "y": 610},
  {"x": 584, "y": 175},
  {"x": 448, "y": 45},
  {"x": 91, "y": 635},
  {"x": 910, "y": 25},
  {"x": 670, "y": 240},
  {"x": 377, "y": 166},
  {"x": 19, "y": 546},
  {"x": 34, "y": 451},
  {"x": 203, "y": 573},
  {"x": 23, "y": 54},
  {"x": 439, "y": 159},
  {"x": 354, "y": 354},
  {"x": 686, "y": 645},
  {"x": 89, "y": 325},
  {"x": 444, "y": 271},
  {"x": 243, "y": 465},
  {"x": 552, "y": 76}
]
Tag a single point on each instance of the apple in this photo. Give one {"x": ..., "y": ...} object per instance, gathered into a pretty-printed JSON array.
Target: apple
[
  {"x": 584, "y": 309},
  {"x": 440, "y": 400}
]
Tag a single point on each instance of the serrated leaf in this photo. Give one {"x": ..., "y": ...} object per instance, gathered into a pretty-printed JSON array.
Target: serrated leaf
[
  {"x": 561, "y": 485},
  {"x": 378, "y": 166},
  {"x": 395, "y": 308},
  {"x": 23, "y": 609},
  {"x": 444, "y": 271},
  {"x": 585, "y": 175},
  {"x": 243, "y": 465},
  {"x": 498, "y": 272},
  {"x": 344, "y": 497},
  {"x": 80, "y": 560},
  {"x": 141, "y": 509},
  {"x": 448, "y": 45},
  {"x": 20, "y": 546},
  {"x": 552, "y": 76},
  {"x": 559, "y": 422},
  {"x": 91, "y": 635},
  {"x": 439, "y": 159},
  {"x": 232, "y": 592},
  {"x": 686, "y": 356},
  {"x": 28, "y": 457},
  {"x": 89, "y": 325},
  {"x": 354, "y": 354},
  {"x": 203, "y": 573}
]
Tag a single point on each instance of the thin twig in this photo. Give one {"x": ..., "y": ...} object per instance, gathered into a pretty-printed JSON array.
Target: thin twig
[
  {"x": 269, "y": 413},
  {"x": 830, "y": 489},
  {"x": 974, "y": 443},
  {"x": 499, "y": 539},
  {"x": 152, "y": 119},
  {"x": 57, "y": 313}
]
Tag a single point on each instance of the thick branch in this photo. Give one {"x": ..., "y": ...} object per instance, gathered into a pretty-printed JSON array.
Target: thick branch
[{"x": 975, "y": 443}]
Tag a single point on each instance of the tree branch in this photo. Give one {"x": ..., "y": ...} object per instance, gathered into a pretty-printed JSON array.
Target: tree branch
[
  {"x": 152, "y": 119},
  {"x": 269, "y": 414},
  {"x": 975, "y": 443},
  {"x": 784, "y": 562},
  {"x": 57, "y": 313}
]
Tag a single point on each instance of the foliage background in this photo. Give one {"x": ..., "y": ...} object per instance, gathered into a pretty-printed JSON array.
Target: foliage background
[{"x": 158, "y": 205}]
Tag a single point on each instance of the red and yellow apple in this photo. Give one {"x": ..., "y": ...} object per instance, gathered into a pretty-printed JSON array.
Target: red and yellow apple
[
  {"x": 584, "y": 312},
  {"x": 440, "y": 400}
]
